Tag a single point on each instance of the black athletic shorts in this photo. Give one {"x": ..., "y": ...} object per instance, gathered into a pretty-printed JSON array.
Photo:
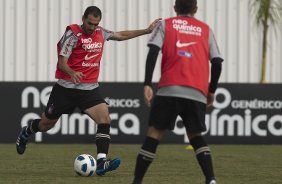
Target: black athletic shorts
[
  {"x": 165, "y": 110},
  {"x": 64, "y": 100}
]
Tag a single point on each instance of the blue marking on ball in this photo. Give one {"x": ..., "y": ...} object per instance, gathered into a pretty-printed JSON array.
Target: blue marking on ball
[
  {"x": 80, "y": 158},
  {"x": 84, "y": 167}
]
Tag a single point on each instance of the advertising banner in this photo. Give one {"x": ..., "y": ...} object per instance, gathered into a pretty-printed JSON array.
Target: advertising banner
[{"x": 241, "y": 114}]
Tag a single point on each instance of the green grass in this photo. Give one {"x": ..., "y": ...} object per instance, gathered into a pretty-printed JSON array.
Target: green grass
[{"x": 53, "y": 163}]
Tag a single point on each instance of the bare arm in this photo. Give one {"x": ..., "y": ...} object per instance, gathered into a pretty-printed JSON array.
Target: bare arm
[
  {"x": 75, "y": 76},
  {"x": 126, "y": 35}
]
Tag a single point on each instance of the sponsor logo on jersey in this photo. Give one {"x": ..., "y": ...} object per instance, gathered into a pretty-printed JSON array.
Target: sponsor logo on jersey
[
  {"x": 92, "y": 46},
  {"x": 184, "y": 54},
  {"x": 179, "y": 44},
  {"x": 86, "y": 40},
  {"x": 182, "y": 26},
  {"x": 90, "y": 57},
  {"x": 85, "y": 64}
]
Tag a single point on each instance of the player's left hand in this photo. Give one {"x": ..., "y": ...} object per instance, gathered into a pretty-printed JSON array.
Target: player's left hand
[{"x": 153, "y": 25}]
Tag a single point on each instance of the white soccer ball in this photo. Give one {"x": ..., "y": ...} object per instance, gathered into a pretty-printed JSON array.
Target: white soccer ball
[{"x": 85, "y": 165}]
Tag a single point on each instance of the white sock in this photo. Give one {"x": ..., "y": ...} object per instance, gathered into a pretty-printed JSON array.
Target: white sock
[{"x": 101, "y": 155}]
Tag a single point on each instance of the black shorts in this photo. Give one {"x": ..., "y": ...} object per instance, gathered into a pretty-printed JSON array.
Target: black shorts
[
  {"x": 64, "y": 100},
  {"x": 165, "y": 110}
]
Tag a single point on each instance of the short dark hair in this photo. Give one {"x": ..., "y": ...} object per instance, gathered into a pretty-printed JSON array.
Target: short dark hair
[
  {"x": 185, "y": 6},
  {"x": 93, "y": 10}
]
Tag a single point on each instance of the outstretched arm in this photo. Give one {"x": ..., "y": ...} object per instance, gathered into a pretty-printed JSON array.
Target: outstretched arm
[{"x": 126, "y": 35}]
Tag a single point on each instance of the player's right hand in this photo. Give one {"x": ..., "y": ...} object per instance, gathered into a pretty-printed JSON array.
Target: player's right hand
[
  {"x": 76, "y": 76},
  {"x": 148, "y": 95}
]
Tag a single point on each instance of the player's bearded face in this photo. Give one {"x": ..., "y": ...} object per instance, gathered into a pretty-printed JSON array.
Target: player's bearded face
[{"x": 90, "y": 23}]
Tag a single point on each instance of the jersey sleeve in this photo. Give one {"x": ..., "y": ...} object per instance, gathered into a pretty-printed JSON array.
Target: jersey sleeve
[
  {"x": 67, "y": 43},
  {"x": 107, "y": 34},
  {"x": 157, "y": 36},
  {"x": 213, "y": 47}
]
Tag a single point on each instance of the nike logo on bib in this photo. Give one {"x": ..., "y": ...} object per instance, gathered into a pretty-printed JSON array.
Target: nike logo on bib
[
  {"x": 178, "y": 44},
  {"x": 90, "y": 57}
]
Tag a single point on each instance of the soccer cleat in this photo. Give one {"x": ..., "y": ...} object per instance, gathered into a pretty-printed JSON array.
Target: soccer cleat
[
  {"x": 105, "y": 165},
  {"x": 21, "y": 141},
  {"x": 212, "y": 182}
]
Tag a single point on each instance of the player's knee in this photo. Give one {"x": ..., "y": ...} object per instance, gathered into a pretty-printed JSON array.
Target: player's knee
[
  {"x": 155, "y": 133},
  {"x": 108, "y": 119},
  {"x": 105, "y": 119}
]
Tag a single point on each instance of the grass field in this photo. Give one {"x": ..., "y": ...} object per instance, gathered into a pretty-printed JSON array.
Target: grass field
[{"x": 53, "y": 163}]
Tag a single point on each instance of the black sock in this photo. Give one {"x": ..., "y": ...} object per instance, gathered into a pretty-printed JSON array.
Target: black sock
[
  {"x": 203, "y": 155},
  {"x": 145, "y": 158},
  {"x": 103, "y": 138},
  {"x": 32, "y": 127}
]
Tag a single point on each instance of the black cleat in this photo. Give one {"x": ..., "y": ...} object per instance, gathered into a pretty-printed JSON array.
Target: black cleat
[{"x": 21, "y": 141}]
